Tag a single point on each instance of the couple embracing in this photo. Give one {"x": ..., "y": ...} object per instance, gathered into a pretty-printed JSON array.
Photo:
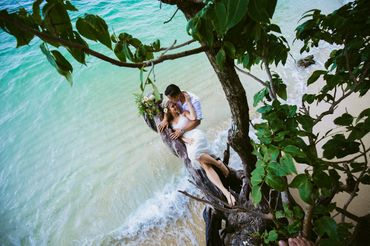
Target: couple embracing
[{"x": 183, "y": 114}]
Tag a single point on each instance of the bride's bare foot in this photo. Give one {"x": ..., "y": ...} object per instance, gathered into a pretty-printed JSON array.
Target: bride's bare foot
[{"x": 230, "y": 199}]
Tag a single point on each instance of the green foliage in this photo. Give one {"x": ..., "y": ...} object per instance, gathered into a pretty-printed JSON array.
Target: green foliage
[
  {"x": 224, "y": 23},
  {"x": 57, "y": 60},
  {"x": 287, "y": 136},
  {"x": 94, "y": 27},
  {"x": 50, "y": 21},
  {"x": 126, "y": 42}
]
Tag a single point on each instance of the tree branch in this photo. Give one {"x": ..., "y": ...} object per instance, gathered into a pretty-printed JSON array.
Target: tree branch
[
  {"x": 103, "y": 57},
  {"x": 355, "y": 189},
  {"x": 333, "y": 105},
  {"x": 252, "y": 76},
  {"x": 307, "y": 221},
  {"x": 268, "y": 216},
  {"x": 271, "y": 85},
  {"x": 172, "y": 47}
]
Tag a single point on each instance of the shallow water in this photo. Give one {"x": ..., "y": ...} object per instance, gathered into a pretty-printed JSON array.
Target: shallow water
[{"x": 79, "y": 166}]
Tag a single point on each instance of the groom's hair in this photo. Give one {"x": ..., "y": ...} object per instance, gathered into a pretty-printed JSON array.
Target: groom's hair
[{"x": 172, "y": 90}]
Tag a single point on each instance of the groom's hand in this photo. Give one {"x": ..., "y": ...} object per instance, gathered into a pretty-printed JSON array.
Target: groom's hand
[{"x": 176, "y": 134}]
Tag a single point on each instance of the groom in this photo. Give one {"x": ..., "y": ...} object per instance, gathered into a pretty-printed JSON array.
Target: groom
[{"x": 174, "y": 94}]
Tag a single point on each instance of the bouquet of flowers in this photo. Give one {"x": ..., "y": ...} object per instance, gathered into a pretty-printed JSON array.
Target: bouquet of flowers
[{"x": 148, "y": 105}]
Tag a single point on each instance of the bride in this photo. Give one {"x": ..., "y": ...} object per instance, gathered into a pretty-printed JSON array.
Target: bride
[{"x": 197, "y": 146}]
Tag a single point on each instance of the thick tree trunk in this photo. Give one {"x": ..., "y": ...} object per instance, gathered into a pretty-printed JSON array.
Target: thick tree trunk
[{"x": 237, "y": 99}]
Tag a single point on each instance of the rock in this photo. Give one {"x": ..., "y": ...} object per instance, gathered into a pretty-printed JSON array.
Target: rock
[{"x": 307, "y": 61}]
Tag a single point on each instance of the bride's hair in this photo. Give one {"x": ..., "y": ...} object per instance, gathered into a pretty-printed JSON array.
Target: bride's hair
[{"x": 168, "y": 112}]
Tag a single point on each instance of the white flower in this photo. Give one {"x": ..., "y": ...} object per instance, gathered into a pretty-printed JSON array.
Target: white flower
[
  {"x": 165, "y": 110},
  {"x": 145, "y": 99},
  {"x": 151, "y": 97}
]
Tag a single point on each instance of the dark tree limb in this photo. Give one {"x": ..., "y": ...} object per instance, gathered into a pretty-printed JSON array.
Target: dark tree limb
[{"x": 87, "y": 50}]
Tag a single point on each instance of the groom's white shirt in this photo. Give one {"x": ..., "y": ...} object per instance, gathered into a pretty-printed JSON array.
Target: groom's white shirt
[{"x": 196, "y": 104}]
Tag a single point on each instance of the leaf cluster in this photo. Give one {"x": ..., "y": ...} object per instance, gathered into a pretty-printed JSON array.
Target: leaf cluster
[
  {"x": 240, "y": 29},
  {"x": 288, "y": 136}
]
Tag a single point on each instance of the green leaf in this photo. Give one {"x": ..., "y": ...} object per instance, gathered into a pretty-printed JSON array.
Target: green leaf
[
  {"x": 275, "y": 182},
  {"x": 229, "y": 49},
  {"x": 364, "y": 113},
  {"x": 277, "y": 169},
  {"x": 365, "y": 179},
  {"x": 287, "y": 164},
  {"x": 258, "y": 174},
  {"x": 279, "y": 214},
  {"x": 281, "y": 91},
  {"x": 118, "y": 51},
  {"x": 256, "y": 194},
  {"x": 305, "y": 191},
  {"x": 309, "y": 98},
  {"x": 36, "y": 11},
  {"x": 78, "y": 54},
  {"x": 294, "y": 151},
  {"x": 264, "y": 109},
  {"x": 23, "y": 37},
  {"x": 344, "y": 120},
  {"x": 272, "y": 236},
  {"x": 298, "y": 180},
  {"x": 258, "y": 10},
  {"x": 56, "y": 19},
  {"x": 258, "y": 97},
  {"x": 326, "y": 225},
  {"x": 219, "y": 18},
  {"x": 236, "y": 10},
  {"x": 127, "y": 52},
  {"x": 340, "y": 147},
  {"x": 220, "y": 58},
  {"x": 70, "y": 7},
  {"x": 315, "y": 75},
  {"x": 57, "y": 60},
  {"x": 94, "y": 27},
  {"x": 306, "y": 122}
]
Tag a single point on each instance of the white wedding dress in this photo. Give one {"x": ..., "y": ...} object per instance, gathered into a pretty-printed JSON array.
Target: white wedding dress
[{"x": 199, "y": 145}]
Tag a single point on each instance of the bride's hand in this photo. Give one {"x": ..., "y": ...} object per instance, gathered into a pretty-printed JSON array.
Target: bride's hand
[{"x": 176, "y": 134}]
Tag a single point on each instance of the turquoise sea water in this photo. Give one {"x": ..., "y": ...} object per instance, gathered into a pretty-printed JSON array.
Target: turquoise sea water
[{"x": 78, "y": 166}]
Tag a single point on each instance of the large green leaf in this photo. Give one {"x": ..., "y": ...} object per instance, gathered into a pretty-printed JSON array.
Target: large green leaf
[
  {"x": 94, "y": 27},
  {"x": 315, "y": 75},
  {"x": 256, "y": 194},
  {"x": 275, "y": 182},
  {"x": 287, "y": 164},
  {"x": 259, "y": 96},
  {"x": 236, "y": 10},
  {"x": 23, "y": 37},
  {"x": 258, "y": 174},
  {"x": 258, "y": 10},
  {"x": 78, "y": 54},
  {"x": 56, "y": 19},
  {"x": 326, "y": 225},
  {"x": 118, "y": 51},
  {"x": 344, "y": 120},
  {"x": 57, "y": 60},
  {"x": 305, "y": 187}
]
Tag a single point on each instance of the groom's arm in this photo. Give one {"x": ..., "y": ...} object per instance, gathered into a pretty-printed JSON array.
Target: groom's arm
[{"x": 190, "y": 126}]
